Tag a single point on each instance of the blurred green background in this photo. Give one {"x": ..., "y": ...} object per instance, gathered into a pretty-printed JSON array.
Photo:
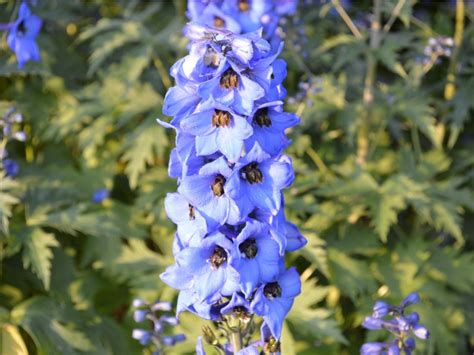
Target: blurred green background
[{"x": 384, "y": 160}]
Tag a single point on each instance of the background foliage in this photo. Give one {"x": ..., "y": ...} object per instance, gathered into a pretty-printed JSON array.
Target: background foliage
[{"x": 384, "y": 188}]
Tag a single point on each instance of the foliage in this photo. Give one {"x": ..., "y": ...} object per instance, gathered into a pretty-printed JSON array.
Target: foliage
[{"x": 383, "y": 192}]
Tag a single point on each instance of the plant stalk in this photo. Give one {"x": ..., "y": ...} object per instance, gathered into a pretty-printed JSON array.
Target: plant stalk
[
  {"x": 236, "y": 340},
  {"x": 368, "y": 96},
  {"x": 450, "y": 88}
]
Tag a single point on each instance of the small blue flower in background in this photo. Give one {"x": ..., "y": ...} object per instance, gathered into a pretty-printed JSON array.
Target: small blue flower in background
[
  {"x": 402, "y": 326},
  {"x": 100, "y": 195},
  {"x": 155, "y": 337},
  {"x": 9, "y": 132},
  {"x": 22, "y": 36},
  {"x": 11, "y": 167}
]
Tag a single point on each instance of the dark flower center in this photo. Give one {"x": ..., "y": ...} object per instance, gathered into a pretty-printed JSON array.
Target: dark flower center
[
  {"x": 211, "y": 57},
  {"x": 252, "y": 173},
  {"x": 272, "y": 290},
  {"x": 241, "y": 312},
  {"x": 229, "y": 79},
  {"x": 261, "y": 118},
  {"x": 21, "y": 27},
  {"x": 271, "y": 345},
  {"x": 220, "y": 118},
  {"x": 218, "y": 185},
  {"x": 249, "y": 248},
  {"x": 244, "y": 5},
  {"x": 191, "y": 212},
  {"x": 219, "y": 22},
  {"x": 218, "y": 257}
]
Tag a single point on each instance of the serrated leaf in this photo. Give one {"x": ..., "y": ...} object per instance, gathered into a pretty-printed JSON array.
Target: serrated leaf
[
  {"x": 148, "y": 141},
  {"x": 7, "y": 200},
  {"x": 37, "y": 253}
]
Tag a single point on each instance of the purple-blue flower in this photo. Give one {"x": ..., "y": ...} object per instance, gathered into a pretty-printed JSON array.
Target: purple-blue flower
[
  {"x": 273, "y": 300},
  {"x": 22, "y": 36},
  {"x": 207, "y": 192},
  {"x": 217, "y": 129},
  {"x": 11, "y": 167},
  {"x": 100, "y": 195},
  {"x": 257, "y": 181},
  {"x": 206, "y": 267},
  {"x": 155, "y": 337},
  {"x": 401, "y": 325},
  {"x": 259, "y": 256}
]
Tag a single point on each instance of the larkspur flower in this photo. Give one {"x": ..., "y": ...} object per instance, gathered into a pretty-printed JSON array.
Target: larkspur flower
[
  {"x": 401, "y": 325},
  {"x": 100, "y": 195},
  {"x": 230, "y": 127},
  {"x": 273, "y": 300},
  {"x": 241, "y": 16},
  {"x": 11, "y": 167},
  {"x": 22, "y": 36},
  {"x": 154, "y": 337}
]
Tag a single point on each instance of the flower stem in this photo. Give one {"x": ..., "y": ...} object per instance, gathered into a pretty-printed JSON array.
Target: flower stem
[
  {"x": 450, "y": 88},
  {"x": 236, "y": 339}
]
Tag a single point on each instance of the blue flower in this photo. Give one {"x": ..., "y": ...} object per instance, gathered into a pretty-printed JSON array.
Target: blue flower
[
  {"x": 257, "y": 181},
  {"x": 146, "y": 311},
  {"x": 189, "y": 221},
  {"x": 218, "y": 129},
  {"x": 22, "y": 36},
  {"x": 100, "y": 195},
  {"x": 11, "y": 167},
  {"x": 232, "y": 87},
  {"x": 273, "y": 300},
  {"x": 259, "y": 256},
  {"x": 207, "y": 267},
  {"x": 399, "y": 324},
  {"x": 269, "y": 124},
  {"x": 207, "y": 192}
]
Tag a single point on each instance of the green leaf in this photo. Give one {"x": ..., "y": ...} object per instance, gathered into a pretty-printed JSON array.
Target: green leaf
[
  {"x": 351, "y": 276},
  {"x": 37, "y": 252},
  {"x": 148, "y": 141},
  {"x": 11, "y": 342},
  {"x": 51, "y": 326},
  {"x": 7, "y": 200}
]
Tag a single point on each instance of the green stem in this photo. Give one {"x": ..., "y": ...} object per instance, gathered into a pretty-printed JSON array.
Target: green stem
[
  {"x": 236, "y": 339},
  {"x": 450, "y": 88},
  {"x": 345, "y": 17},
  {"x": 368, "y": 96}
]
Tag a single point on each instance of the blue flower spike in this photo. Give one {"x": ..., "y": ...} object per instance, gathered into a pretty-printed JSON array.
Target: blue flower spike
[
  {"x": 154, "y": 338},
  {"x": 229, "y": 160},
  {"x": 399, "y": 324}
]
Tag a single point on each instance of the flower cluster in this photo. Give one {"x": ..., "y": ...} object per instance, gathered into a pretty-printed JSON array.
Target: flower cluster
[
  {"x": 242, "y": 16},
  {"x": 8, "y": 121},
  {"x": 22, "y": 35},
  {"x": 439, "y": 47},
  {"x": 145, "y": 311},
  {"x": 401, "y": 325},
  {"x": 229, "y": 209}
]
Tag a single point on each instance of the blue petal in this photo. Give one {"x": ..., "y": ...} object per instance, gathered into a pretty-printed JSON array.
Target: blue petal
[{"x": 198, "y": 124}]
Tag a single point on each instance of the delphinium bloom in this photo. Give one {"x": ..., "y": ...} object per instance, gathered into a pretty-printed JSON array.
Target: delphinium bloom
[
  {"x": 9, "y": 123},
  {"x": 155, "y": 338},
  {"x": 22, "y": 36},
  {"x": 400, "y": 324},
  {"x": 241, "y": 16},
  {"x": 232, "y": 234}
]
